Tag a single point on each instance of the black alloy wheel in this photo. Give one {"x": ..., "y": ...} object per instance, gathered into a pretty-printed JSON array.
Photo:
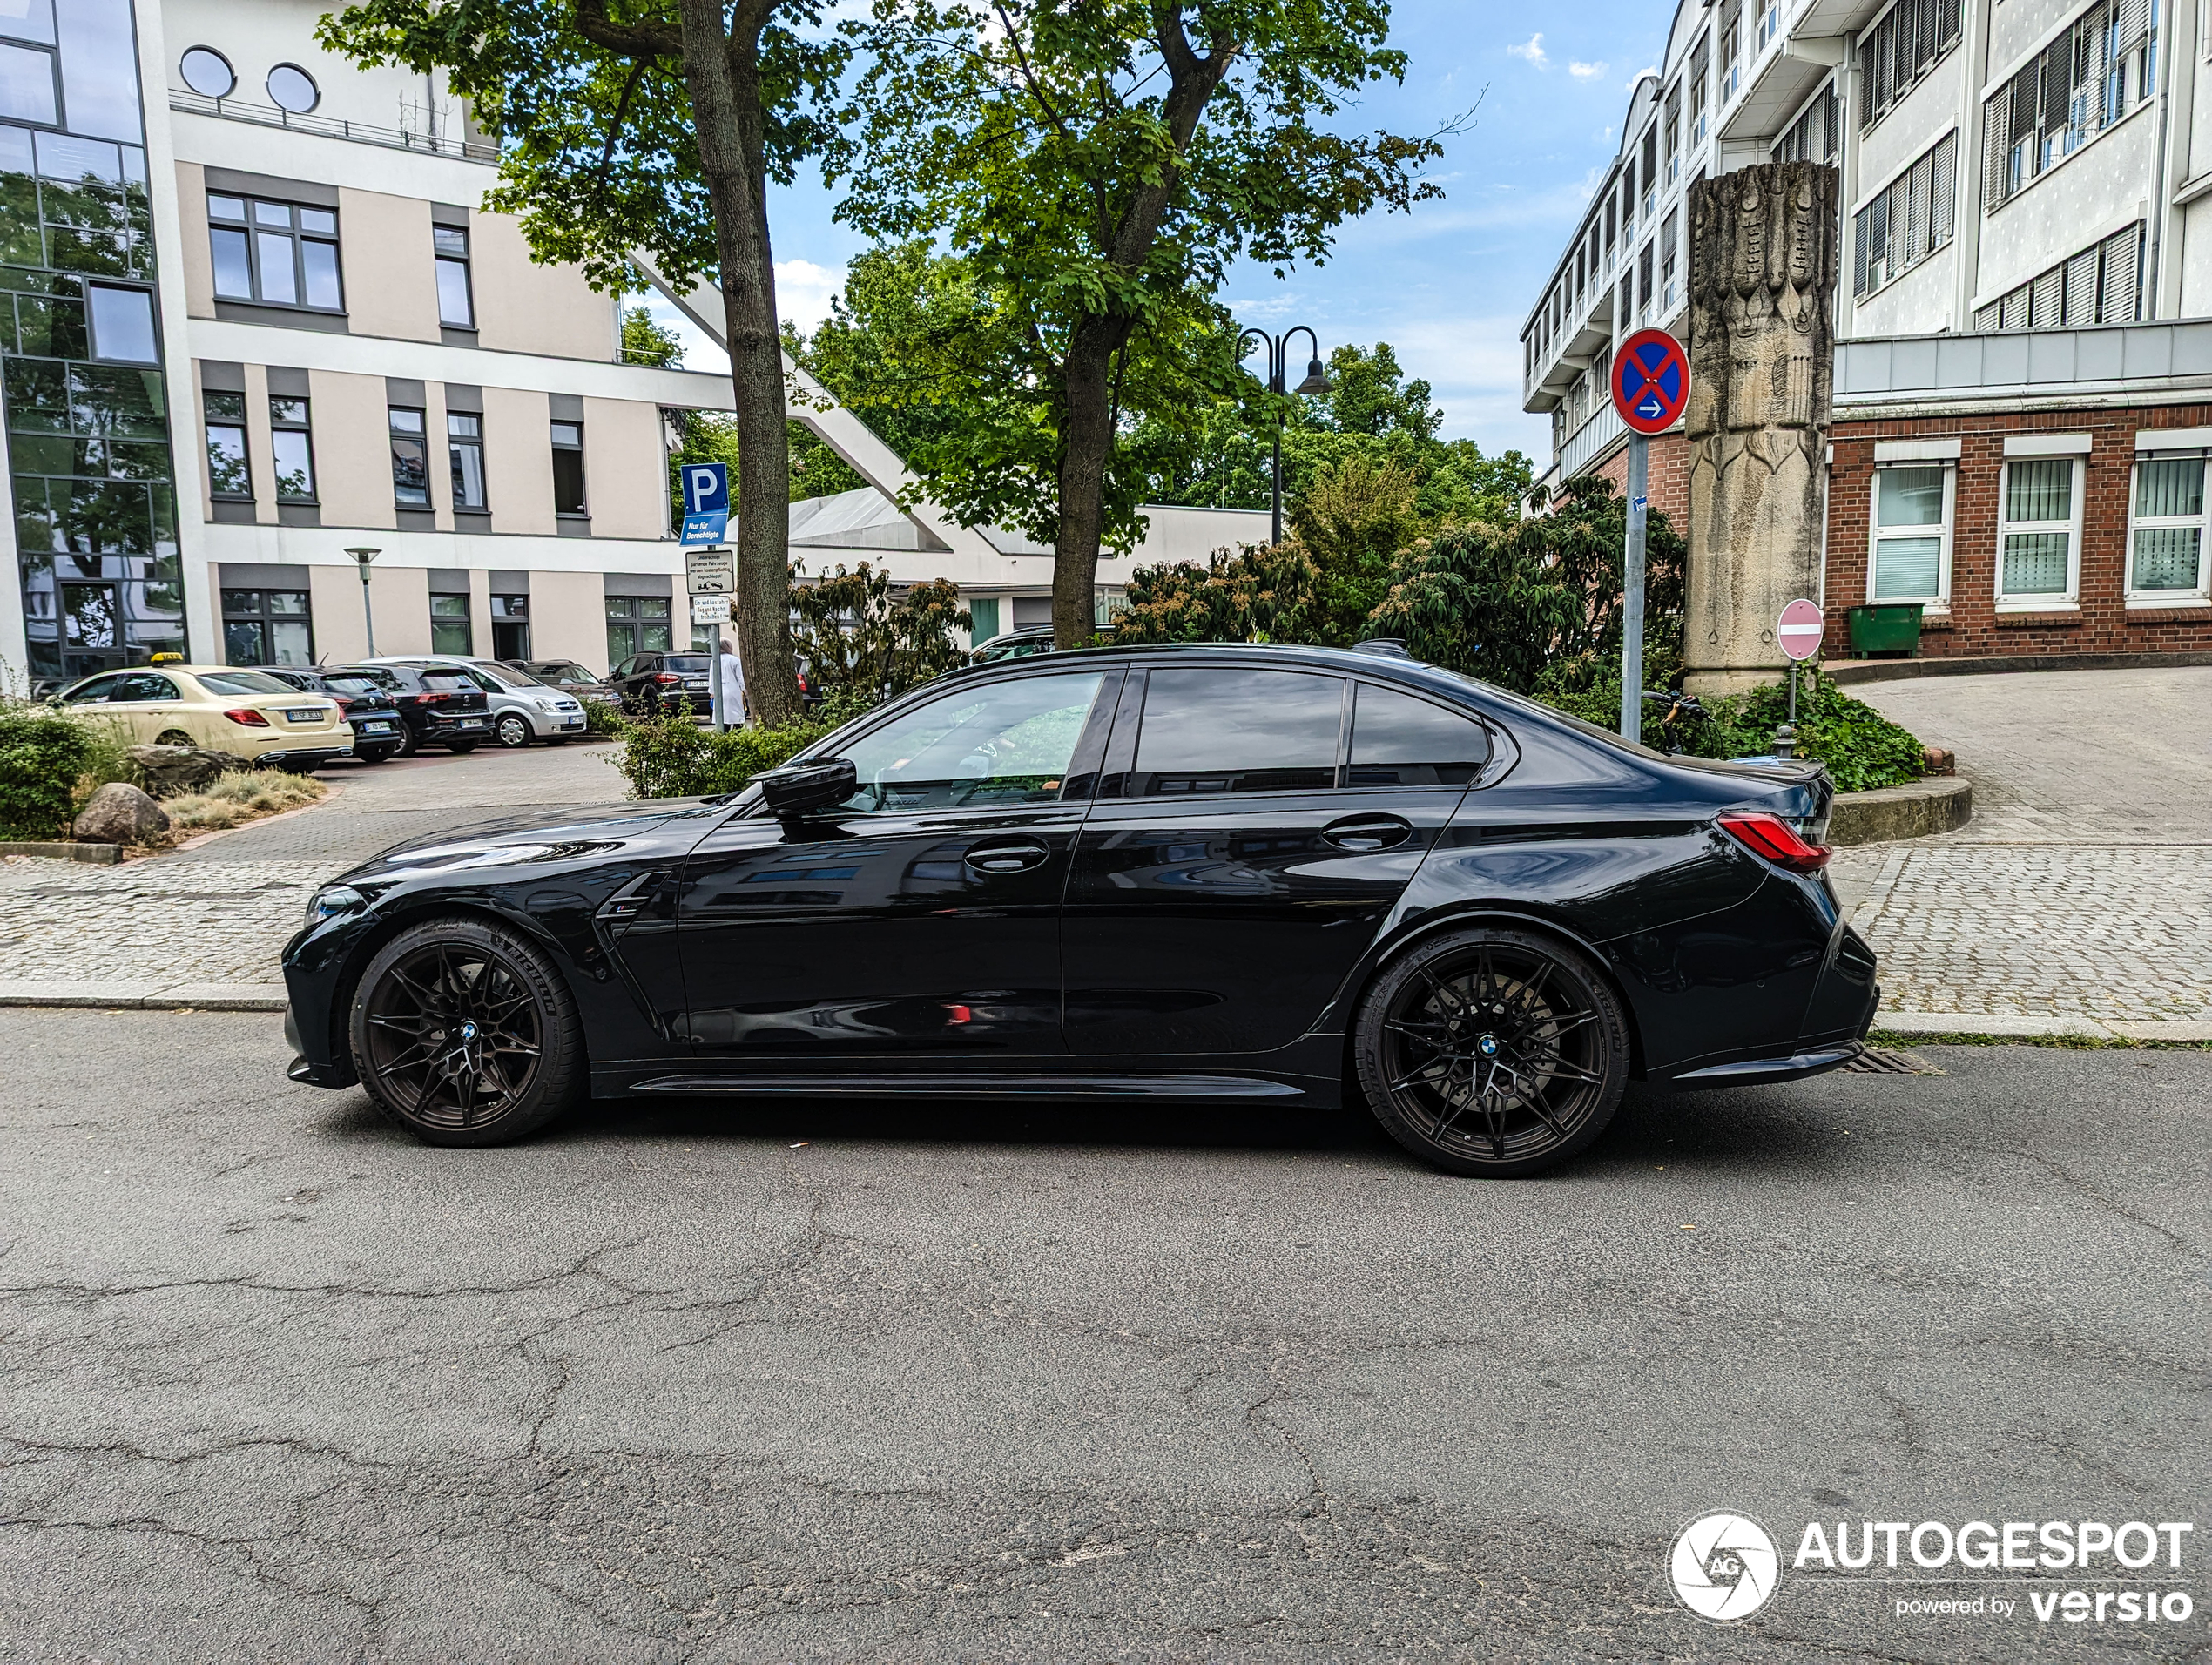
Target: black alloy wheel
[
  {"x": 513, "y": 729},
  {"x": 464, "y": 1034},
  {"x": 410, "y": 741},
  {"x": 1493, "y": 1052}
]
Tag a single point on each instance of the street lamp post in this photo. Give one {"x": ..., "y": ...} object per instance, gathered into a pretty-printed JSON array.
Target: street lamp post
[
  {"x": 361, "y": 558},
  {"x": 1278, "y": 347}
]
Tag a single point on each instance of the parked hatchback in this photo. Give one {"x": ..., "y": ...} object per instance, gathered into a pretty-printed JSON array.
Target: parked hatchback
[
  {"x": 369, "y": 711},
  {"x": 569, "y": 676},
  {"x": 647, "y": 682},
  {"x": 525, "y": 708},
  {"x": 438, "y": 701},
  {"x": 221, "y": 709}
]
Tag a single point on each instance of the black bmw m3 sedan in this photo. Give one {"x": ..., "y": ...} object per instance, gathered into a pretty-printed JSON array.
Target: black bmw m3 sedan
[{"x": 1276, "y": 875}]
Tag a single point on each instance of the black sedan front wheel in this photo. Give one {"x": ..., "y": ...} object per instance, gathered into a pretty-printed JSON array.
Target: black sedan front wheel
[
  {"x": 1492, "y": 1051},
  {"x": 464, "y": 1034}
]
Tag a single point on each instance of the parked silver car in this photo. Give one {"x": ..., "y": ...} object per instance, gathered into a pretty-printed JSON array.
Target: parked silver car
[{"x": 524, "y": 708}]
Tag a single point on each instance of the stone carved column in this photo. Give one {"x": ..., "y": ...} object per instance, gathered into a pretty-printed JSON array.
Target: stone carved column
[{"x": 1762, "y": 353}]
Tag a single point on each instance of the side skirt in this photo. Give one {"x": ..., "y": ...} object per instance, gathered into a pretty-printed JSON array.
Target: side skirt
[{"x": 945, "y": 1083}]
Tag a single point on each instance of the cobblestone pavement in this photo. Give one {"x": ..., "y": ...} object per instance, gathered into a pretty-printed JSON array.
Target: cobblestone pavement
[
  {"x": 2083, "y": 885},
  {"x": 221, "y": 913}
]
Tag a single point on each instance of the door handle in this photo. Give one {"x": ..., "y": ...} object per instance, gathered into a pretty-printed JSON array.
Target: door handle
[
  {"x": 1366, "y": 832},
  {"x": 1012, "y": 855}
]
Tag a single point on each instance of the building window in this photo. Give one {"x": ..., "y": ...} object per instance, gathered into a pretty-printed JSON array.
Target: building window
[
  {"x": 1899, "y": 51},
  {"x": 636, "y": 624},
  {"x": 410, "y": 458},
  {"x": 2096, "y": 286},
  {"x": 228, "y": 475},
  {"x": 1701, "y": 62},
  {"x": 291, "y": 448},
  {"x": 2080, "y": 84},
  {"x": 510, "y": 627},
  {"x": 207, "y": 72},
  {"x": 450, "y": 625},
  {"x": 2166, "y": 541},
  {"x": 983, "y": 618},
  {"x": 1668, "y": 243},
  {"x": 267, "y": 627},
  {"x": 1814, "y": 136},
  {"x": 456, "y": 306},
  {"x": 1906, "y": 222},
  {"x": 293, "y": 89},
  {"x": 1643, "y": 284},
  {"x": 2039, "y": 536},
  {"x": 1770, "y": 22},
  {"x": 1911, "y": 559},
  {"x": 1674, "y": 148},
  {"x": 274, "y": 253},
  {"x": 121, "y": 321},
  {"x": 27, "y": 83},
  {"x": 465, "y": 446},
  {"x": 567, "y": 469},
  {"x": 1731, "y": 49}
]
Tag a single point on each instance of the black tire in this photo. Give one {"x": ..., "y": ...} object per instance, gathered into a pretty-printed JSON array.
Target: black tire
[
  {"x": 462, "y": 748},
  {"x": 175, "y": 736},
  {"x": 410, "y": 742},
  {"x": 375, "y": 753},
  {"x": 513, "y": 730},
  {"x": 1492, "y": 1051},
  {"x": 463, "y": 1034}
]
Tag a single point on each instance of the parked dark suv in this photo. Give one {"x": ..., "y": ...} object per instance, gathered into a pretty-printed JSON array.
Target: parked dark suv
[
  {"x": 379, "y": 729},
  {"x": 666, "y": 681},
  {"x": 439, "y": 704}
]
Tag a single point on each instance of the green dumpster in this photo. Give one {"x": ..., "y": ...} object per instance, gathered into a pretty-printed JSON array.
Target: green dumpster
[{"x": 1886, "y": 627}]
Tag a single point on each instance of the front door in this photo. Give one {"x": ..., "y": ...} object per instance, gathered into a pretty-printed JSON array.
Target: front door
[
  {"x": 922, "y": 915},
  {"x": 1246, "y": 848}
]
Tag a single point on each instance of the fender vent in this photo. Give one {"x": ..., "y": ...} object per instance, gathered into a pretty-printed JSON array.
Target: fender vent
[{"x": 1881, "y": 1061}]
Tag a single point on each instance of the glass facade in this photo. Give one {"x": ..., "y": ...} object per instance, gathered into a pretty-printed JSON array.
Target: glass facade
[{"x": 86, "y": 400}]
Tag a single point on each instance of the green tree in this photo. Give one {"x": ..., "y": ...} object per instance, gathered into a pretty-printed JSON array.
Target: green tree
[
  {"x": 859, "y": 638},
  {"x": 1353, "y": 520},
  {"x": 1265, "y": 593},
  {"x": 652, "y": 128},
  {"x": 1097, "y": 167},
  {"x": 645, "y": 341}
]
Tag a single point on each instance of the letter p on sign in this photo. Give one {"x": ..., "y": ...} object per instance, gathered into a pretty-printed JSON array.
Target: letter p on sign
[{"x": 706, "y": 488}]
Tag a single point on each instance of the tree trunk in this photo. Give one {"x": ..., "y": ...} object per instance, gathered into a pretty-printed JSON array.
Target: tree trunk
[
  {"x": 722, "y": 72},
  {"x": 1086, "y": 440}
]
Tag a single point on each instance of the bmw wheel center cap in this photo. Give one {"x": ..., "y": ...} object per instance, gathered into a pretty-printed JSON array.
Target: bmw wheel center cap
[
  {"x": 1487, "y": 1046},
  {"x": 467, "y": 1032}
]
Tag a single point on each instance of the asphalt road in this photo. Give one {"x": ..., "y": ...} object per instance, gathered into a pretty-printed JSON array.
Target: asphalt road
[{"x": 810, "y": 1382}]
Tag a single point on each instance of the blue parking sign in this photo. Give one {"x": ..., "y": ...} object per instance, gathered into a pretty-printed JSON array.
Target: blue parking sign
[{"x": 706, "y": 502}]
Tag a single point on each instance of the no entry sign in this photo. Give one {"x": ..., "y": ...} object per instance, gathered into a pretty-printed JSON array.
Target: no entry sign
[
  {"x": 1799, "y": 629},
  {"x": 1650, "y": 381}
]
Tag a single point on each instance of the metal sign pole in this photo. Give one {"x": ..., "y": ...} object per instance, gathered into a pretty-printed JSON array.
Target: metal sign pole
[{"x": 1632, "y": 589}]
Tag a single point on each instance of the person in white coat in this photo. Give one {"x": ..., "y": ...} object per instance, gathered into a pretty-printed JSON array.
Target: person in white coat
[{"x": 732, "y": 686}]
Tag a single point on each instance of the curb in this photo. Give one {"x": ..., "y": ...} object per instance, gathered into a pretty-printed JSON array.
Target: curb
[
  {"x": 1845, "y": 672},
  {"x": 154, "y": 997},
  {"x": 1940, "y": 804},
  {"x": 1935, "y": 1023},
  {"x": 97, "y": 856}
]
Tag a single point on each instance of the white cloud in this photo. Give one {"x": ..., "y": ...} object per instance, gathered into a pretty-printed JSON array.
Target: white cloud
[
  {"x": 1649, "y": 68},
  {"x": 1533, "y": 51},
  {"x": 803, "y": 292},
  {"x": 1586, "y": 71}
]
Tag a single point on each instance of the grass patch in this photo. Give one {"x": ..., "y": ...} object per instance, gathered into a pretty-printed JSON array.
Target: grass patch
[
  {"x": 236, "y": 799},
  {"x": 2062, "y": 1042}
]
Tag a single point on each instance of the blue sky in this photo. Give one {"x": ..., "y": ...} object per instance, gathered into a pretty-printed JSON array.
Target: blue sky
[{"x": 1449, "y": 284}]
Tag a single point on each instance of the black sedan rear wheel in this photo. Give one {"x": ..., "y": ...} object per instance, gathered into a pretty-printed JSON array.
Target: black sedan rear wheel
[
  {"x": 1492, "y": 1051},
  {"x": 465, "y": 1035}
]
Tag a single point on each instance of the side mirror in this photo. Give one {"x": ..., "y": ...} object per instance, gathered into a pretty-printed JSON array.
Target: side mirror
[{"x": 796, "y": 788}]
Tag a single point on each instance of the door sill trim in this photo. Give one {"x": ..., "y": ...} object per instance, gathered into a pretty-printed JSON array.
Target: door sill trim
[{"x": 942, "y": 1083}]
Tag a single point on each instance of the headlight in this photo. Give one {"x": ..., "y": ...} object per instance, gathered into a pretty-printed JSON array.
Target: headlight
[{"x": 334, "y": 899}]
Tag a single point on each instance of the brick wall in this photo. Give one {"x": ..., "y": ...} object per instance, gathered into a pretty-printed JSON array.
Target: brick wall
[
  {"x": 1669, "y": 490},
  {"x": 2102, "y": 623}
]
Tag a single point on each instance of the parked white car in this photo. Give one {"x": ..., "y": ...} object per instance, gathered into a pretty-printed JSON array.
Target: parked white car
[{"x": 524, "y": 708}]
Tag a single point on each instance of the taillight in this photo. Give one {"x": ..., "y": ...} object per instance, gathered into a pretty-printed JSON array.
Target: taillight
[
  {"x": 666, "y": 675},
  {"x": 1775, "y": 839},
  {"x": 431, "y": 699},
  {"x": 247, "y": 718},
  {"x": 344, "y": 704}
]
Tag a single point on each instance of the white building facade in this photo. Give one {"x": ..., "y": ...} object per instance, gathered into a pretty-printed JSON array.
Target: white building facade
[
  {"x": 255, "y": 317},
  {"x": 2028, "y": 170}
]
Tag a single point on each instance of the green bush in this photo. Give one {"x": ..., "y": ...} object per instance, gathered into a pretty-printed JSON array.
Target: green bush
[
  {"x": 676, "y": 757},
  {"x": 1862, "y": 748},
  {"x": 604, "y": 716},
  {"x": 43, "y": 755}
]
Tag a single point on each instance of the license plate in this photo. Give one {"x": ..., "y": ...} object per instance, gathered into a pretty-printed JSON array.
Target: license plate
[
  {"x": 470, "y": 722},
  {"x": 303, "y": 717},
  {"x": 572, "y": 721},
  {"x": 376, "y": 728},
  {"x": 696, "y": 687}
]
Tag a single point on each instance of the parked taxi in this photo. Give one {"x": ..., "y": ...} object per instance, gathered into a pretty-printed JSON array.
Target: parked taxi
[{"x": 247, "y": 713}]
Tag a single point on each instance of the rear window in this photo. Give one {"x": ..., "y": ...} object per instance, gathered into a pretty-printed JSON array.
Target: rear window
[
  {"x": 242, "y": 682},
  {"x": 692, "y": 662},
  {"x": 1398, "y": 740},
  {"x": 449, "y": 682},
  {"x": 354, "y": 685}
]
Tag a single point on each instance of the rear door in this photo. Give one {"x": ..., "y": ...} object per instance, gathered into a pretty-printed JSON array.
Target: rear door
[
  {"x": 149, "y": 704},
  {"x": 1255, "y": 826}
]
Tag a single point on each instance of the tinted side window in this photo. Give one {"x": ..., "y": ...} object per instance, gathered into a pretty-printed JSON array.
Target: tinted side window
[
  {"x": 84, "y": 693},
  {"x": 1398, "y": 740},
  {"x": 143, "y": 686},
  {"x": 1001, "y": 743},
  {"x": 1237, "y": 730}
]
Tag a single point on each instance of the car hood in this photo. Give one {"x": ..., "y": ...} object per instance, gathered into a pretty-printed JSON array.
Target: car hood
[{"x": 563, "y": 832}]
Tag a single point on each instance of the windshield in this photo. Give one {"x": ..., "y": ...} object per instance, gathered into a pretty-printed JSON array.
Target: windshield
[
  {"x": 242, "y": 682},
  {"x": 509, "y": 677}
]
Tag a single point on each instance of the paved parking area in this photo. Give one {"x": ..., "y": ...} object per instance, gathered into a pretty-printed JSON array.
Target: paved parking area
[{"x": 902, "y": 1382}]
